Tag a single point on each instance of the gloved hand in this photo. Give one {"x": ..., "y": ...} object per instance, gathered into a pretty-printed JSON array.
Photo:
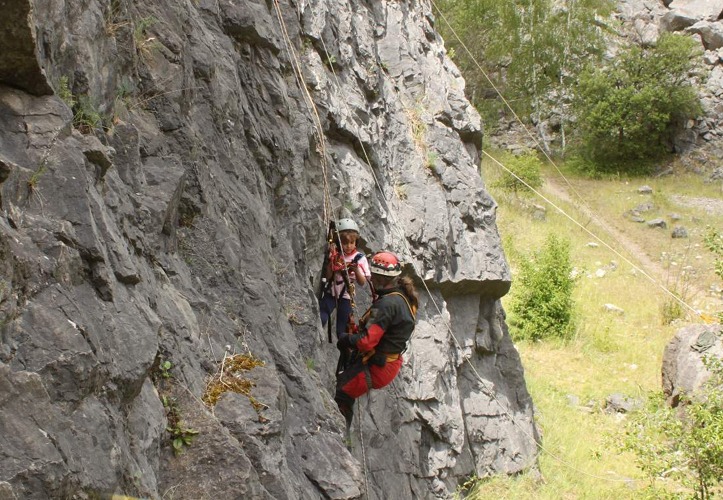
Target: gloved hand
[
  {"x": 378, "y": 359},
  {"x": 346, "y": 341}
]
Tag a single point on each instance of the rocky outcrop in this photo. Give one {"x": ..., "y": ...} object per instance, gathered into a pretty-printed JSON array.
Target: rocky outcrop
[
  {"x": 20, "y": 64},
  {"x": 701, "y": 19},
  {"x": 165, "y": 220},
  {"x": 706, "y": 10},
  {"x": 684, "y": 370}
]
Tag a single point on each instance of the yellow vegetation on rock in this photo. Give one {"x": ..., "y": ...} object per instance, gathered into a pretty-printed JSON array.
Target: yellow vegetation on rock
[{"x": 229, "y": 379}]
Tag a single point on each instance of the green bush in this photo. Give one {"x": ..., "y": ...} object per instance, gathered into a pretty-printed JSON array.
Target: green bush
[
  {"x": 526, "y": 167},
  {"x": 685, "y": 444},
  {"x": 628, "y": 110},
  {"x": 542, "y": 304}
]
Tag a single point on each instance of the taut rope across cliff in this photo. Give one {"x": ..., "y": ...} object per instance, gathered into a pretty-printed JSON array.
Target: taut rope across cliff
[{"x": 579, "y": 198}]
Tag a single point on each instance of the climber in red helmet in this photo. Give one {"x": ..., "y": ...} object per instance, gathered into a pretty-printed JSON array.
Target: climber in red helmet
[{"x": 384, "y": 331}]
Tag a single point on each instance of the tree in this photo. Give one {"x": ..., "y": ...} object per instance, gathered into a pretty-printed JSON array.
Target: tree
[
  {"x": 529, "y": 48},
  {"x": 627, "y": 110}
]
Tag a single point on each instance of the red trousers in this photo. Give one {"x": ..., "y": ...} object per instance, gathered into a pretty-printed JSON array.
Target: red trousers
[{"x": 358, "y": 378}]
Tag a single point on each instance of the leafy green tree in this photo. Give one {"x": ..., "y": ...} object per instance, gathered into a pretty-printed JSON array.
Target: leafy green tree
[
  {"x": 542, "y": 304},
  {"x": 627, "y": 109},
  {"x": 529, "y": 48},
  {"x": 525, "y": 168},
  {"x": 684, "y": 443}
]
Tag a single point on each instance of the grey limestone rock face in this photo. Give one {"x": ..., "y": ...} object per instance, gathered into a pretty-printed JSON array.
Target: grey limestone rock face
[
  {"x": 139, "y": 257},
  {"x": 683, "y": 371}
]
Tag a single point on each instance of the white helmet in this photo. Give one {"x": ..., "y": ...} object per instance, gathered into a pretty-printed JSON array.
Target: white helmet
[{"x": 347, "y": 225}]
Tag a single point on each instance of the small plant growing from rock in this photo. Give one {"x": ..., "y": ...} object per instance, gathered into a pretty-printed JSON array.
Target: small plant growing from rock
[
  {"x": 35, "y": 178},
  {"x": 417, "y": 127},
  {"x": 164, "y": 368},
  {"x": 86, "y": 117},
  {"x": 180, "y": 435},
  {"x": 64, "y": 92},
  {"x": 330, "y": 61},
  {"x": 161, "y": 370},
  {"x": 144, "y": 43},
  {"x": 114, "y": 21},
  {"x": 431, "y": 160}
]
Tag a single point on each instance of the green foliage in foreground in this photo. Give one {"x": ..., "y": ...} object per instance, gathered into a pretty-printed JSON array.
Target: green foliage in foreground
[
  {"x": 685, "y": 444},
  {"x": 542, "y": 305},
  {"x": 627, "y": 109},
  {"x": 525, "y": 168}
]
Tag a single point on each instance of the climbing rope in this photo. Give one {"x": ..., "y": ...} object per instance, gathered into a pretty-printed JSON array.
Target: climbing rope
[
  {"x": 318, "y": 132},
  {"x": 298, "y": 74},
  {"x": 318, "y": 129},
  {"x": 363, "y": 449}
]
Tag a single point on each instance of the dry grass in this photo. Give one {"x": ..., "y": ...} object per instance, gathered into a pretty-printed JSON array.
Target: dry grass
[
  {"x": 230, "y": 379},
  {"x": 611, "y": 352}
]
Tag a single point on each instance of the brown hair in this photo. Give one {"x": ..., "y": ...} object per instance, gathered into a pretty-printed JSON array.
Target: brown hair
[
  {"x": 348, "y": 237},
  {"x": 407, "y": 286}
]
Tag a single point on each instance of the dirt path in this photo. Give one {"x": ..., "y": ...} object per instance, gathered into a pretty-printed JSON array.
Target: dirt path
[{"x": 622, "y": 245}]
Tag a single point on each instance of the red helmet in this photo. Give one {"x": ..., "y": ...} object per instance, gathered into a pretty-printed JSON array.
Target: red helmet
[{"x": 385, "y": 263}]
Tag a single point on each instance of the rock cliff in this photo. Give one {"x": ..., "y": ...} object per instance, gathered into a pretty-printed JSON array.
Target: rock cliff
[
  {"x": 645, "y": 20},
  {"x": 168, "y": 170}
]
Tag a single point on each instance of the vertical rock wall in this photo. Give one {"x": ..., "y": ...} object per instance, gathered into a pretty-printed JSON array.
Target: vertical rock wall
[{"x": 171, "y": 216}]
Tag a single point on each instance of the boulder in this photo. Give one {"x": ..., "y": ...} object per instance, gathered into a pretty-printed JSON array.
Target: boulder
[
  {"x": 683, "y": 370},
  {"x": 706, "y": 10}
]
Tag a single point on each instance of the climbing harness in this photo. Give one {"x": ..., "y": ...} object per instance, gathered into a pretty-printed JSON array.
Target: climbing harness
[
  {"x": 412, "y": 309},
  {"x": 373, "y": 357}
]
